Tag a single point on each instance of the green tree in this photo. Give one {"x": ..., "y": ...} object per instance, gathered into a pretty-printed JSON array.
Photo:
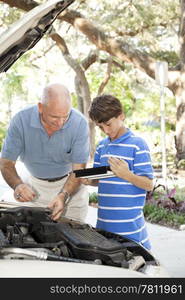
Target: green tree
[{"x": 133, "y": 35}]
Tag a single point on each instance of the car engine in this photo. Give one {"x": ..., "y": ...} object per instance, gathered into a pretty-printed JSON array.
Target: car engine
[{"x": 29, "y": 233}]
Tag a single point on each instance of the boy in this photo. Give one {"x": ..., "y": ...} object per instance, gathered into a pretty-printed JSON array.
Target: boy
[{"x": 121, "y": 198}]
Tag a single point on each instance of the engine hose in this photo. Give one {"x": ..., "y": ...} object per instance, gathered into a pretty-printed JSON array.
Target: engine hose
[
  {"x": 41, "y": 255},
  {"x": 76, "y": 260}
]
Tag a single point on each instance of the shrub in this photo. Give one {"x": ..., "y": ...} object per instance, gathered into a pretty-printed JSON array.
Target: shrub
[{"x": 93, "y": 198}]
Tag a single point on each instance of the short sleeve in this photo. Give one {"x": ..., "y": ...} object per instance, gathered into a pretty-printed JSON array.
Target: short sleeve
[
  {"x": 81, "y": 145},
  {"x": 13, "y": 143},
  {"x": 142, "y": 160}
]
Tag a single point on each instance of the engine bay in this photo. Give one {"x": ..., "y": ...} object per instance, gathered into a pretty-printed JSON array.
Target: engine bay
[{"x": 29, "y": 233}]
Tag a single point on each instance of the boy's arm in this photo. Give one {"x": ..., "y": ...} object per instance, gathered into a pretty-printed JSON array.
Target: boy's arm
[
  {"x": 120, "y": 169},
  {"x": 86, "y": 181},
  {"x": 142, "y": 182}
]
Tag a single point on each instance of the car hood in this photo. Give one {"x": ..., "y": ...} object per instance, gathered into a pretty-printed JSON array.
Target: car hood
[{"x": 26, "y": 32}]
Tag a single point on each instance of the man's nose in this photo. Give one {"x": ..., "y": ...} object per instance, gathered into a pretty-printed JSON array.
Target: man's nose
[{"x": 60, "y": 122}]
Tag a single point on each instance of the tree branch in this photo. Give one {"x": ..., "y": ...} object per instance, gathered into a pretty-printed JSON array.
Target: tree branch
[
  {"x": 90, "y": 59},
  {"x": 114, "y": 47},
  {"x": 76, "y": 67},
  {"x": 107, "y": 76},
  {"x": 25, "y": 5}
]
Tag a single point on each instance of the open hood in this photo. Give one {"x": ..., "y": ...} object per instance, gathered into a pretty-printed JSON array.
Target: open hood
[{"x": 26, "y": 32}]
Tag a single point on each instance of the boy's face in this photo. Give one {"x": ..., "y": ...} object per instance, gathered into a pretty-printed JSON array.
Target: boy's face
[{"x": 113, "y": 127}]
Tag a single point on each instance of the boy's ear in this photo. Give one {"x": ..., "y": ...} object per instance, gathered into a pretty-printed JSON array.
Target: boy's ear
[{"x": 122, "y": 116}]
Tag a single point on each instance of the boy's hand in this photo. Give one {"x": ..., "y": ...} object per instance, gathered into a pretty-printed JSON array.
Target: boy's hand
[
  {"x": 119, "y": 167},
  {"x": 85, "y": 181}
]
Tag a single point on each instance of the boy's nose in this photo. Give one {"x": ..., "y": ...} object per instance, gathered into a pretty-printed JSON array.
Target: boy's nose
[{"x": 106, "y": 130}]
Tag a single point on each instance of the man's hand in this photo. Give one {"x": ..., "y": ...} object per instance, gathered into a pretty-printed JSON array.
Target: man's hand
[
  {"x": 57, "y": 207},
  {"x": 24, "y": 193}
]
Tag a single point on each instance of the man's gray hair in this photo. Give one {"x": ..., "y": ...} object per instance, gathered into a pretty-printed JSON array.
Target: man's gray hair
[{"x": 55, "y": 90}]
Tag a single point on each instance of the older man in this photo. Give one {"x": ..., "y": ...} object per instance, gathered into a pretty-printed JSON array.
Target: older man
[{"x": 51, "y": 139}]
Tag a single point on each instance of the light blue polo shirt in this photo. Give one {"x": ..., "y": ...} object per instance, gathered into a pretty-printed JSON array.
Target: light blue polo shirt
[{"x": 44, "y": 156}]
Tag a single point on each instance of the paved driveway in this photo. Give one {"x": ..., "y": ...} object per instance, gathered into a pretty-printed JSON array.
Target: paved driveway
[{"x": 168, "y": 246}]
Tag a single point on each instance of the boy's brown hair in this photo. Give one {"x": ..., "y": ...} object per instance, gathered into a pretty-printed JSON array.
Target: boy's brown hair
[{"x": 105, "y": 107}]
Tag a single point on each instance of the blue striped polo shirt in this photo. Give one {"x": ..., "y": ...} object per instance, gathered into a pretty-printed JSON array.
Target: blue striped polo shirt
[{"x": 120, "y": 203}]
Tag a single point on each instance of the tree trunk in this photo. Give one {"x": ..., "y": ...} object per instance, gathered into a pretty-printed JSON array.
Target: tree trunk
[
  {"x": 81, "y": 84},
  {"x": 180, "y": 91}
]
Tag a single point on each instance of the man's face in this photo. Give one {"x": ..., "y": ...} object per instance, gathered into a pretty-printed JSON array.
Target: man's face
[
  {"x": 54, "y": 116},
  {"x": 113, "y": 127}
]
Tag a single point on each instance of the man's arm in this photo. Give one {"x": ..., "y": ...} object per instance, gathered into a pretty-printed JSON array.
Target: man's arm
[
  {"x": 22, "y": 192},
  {"x": 73, "y": 183},
  {"x": 9, "y": 172},
  {"x": 70, "y": 187}
]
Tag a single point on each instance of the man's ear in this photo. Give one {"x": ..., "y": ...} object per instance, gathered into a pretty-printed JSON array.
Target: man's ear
[{"x": 40, "y": 107}]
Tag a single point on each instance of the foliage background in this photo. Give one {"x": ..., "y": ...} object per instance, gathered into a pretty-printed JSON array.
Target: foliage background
[{"x": 150, "y": 27}]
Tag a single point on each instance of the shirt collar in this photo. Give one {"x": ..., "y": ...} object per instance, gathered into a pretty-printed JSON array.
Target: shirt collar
[
  {"x": 35, "y": 118},
  {"x": 123, "y": 137}
]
